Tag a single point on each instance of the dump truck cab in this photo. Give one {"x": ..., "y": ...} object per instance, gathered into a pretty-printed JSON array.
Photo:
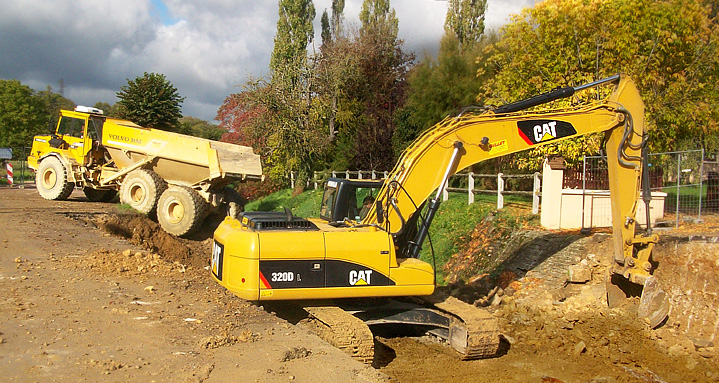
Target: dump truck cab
[{"x": 76, "y": 133}]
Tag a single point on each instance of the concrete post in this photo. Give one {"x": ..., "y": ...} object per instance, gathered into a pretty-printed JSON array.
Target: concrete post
[{"x": 500, "y": 190}]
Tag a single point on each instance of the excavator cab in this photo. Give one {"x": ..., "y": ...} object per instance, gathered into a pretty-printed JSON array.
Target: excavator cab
[{"x": 344, "y": 199}]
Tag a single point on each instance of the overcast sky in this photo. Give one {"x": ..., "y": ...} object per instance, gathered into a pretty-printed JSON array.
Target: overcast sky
[{"x": 206, "y": 48}]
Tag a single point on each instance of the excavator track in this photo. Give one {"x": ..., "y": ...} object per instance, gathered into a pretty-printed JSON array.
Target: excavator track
[
  {"x": 473, "y": 332},
  {"x": 342, "y": 330}
]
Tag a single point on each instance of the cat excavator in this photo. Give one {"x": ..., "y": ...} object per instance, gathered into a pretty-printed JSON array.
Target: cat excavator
[{"x": 351, "y": 271}]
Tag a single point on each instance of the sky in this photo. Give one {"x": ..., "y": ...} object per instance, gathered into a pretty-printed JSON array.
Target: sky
[{"x": 206, "y": 48}]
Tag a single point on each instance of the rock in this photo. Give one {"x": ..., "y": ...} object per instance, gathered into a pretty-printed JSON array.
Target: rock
[
  {"x": 580, "y": 348},
  {"x": 691, "y": 363},
  {"x": 600, "y": 237},
  {"x": 295, "y": 353},
  {"x": 497, "y": 300},
  {"x": 602, "y": 379},
  {"x": 150, "y": 289},
  {"x": 565, "y": 324},
  {"x": 701, "y": 343},
  {"x": 509, "y": 291},
  {"x": 653, "y": 303},
  {"x": 579, "y": 273},
  {"x": 676, "y": 351},
  {"x": 478, "y": 279},
  {"x": 127, "y": 252},
  {"x": 706, "y": 352}
]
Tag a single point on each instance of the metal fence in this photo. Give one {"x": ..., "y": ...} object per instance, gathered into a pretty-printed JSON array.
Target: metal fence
[
  {"x": 470, "y": 183},
  {"x": 689, "y": 183},
  {"x": 22, "y": 174}
]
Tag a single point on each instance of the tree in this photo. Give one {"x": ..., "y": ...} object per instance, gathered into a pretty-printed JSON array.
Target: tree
[
  {"x": 326, "y": 29},
  {"x": 107, "y": 109},
  {"x": 22, "y": 114},
  {"x": 196, "y": 127},
  {"x": 54, "y": 102},
  {"x": 151, "y": 101},
  {"x": 465, "y": 20},
  {"x": 379, "y": 20},
  {"x": 294, "y": 32},
  {"x": 337, "y": 20},
  {"x": 670, "y": 48},
  {"x": 361, "y": 84}
]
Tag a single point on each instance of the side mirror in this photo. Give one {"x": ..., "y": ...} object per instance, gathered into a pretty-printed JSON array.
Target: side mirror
[{"x": 380, "y": 212}]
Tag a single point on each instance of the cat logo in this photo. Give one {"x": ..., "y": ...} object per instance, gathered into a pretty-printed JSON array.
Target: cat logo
[
  {"x": 545, "y": 132},
  {"x": 360, "y": 278},
  {"x": 536, "y": 131}
]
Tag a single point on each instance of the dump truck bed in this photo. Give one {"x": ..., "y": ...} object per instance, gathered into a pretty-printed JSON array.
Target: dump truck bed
[{"x": 176, "y": 157}]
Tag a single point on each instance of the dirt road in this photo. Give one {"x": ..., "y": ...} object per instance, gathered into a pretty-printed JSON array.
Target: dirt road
[
  {"x": 75, "y": 309},
  {"x": 90, "y": 294}
]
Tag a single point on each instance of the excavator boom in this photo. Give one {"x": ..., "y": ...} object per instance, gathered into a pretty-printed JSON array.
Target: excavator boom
[{"x": 459, "y": 142}]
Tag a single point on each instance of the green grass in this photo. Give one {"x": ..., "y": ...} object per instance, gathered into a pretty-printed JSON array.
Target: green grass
[
  {"x": 454, "y": 221},
  {"x": 305, "y": 205}
]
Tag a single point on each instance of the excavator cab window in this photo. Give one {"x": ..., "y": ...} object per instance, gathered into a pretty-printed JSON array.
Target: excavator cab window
[{"x": 346, "y": 199}]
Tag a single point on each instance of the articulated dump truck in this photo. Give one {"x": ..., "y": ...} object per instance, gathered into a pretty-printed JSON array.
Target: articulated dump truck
[{"x": 180, "y": 178}]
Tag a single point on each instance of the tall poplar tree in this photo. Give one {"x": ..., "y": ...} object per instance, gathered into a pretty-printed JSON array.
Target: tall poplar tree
[
  {"x": 465, "y": 19},
  {"x": 294, "y": 32},
  {"x": 379, "y": 18}
]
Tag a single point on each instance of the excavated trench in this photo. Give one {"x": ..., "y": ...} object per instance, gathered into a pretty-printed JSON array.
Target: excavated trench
[{"x": 555, "y": 331}]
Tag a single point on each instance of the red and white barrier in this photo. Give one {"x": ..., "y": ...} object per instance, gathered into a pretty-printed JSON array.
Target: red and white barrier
[{"x": 9, "y": 173}]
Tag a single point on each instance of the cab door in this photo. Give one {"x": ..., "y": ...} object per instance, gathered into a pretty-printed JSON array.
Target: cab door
[{"x": 72, "y": 128}]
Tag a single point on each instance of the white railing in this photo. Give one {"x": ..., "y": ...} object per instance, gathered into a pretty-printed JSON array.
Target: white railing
[{"x": 501, "y": 178}]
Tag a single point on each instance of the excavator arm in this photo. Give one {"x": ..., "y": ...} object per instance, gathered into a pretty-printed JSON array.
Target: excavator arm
[{"x": 459, "y": 142}]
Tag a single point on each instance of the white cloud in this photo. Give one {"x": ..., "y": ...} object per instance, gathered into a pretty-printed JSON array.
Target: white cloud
[{"x": 205, "y": 48}]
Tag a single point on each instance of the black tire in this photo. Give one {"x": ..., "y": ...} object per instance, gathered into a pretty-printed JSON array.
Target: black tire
[
  {"x": 52, "y": 180},
  {"x": 98, "y": 195},
  {"x": 181, "y": 210},
  {"x": 141, "y": 189}
]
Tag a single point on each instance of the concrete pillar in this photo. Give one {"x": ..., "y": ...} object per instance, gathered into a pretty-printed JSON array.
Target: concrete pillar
[{"x": 552, "y": 179}]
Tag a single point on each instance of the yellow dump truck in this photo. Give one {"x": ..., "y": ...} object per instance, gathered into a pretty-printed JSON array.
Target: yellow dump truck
[{"x": 181, "y": 178}]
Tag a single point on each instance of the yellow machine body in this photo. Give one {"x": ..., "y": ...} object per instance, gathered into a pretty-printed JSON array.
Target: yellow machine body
[{"x": 314, "y": 264}]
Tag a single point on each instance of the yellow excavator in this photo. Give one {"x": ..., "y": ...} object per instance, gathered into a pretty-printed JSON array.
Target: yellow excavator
[{"x": 342, "y": 262}]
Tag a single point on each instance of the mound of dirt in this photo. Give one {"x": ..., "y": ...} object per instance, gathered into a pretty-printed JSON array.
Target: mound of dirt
[
  {"x": 130, "y": 263},
  {"x": 141, "y": 231}
]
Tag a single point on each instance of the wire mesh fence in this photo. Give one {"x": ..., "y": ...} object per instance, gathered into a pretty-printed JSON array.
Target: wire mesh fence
[{"x": 685, "y": 183}]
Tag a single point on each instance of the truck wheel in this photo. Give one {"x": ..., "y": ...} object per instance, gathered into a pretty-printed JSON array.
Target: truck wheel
[
  {"x": 181, "y": 210},
  {"x": 141, "y": 189},
  {"x": 52, "y": 180},
  {"x": 98, "y": 195}
]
